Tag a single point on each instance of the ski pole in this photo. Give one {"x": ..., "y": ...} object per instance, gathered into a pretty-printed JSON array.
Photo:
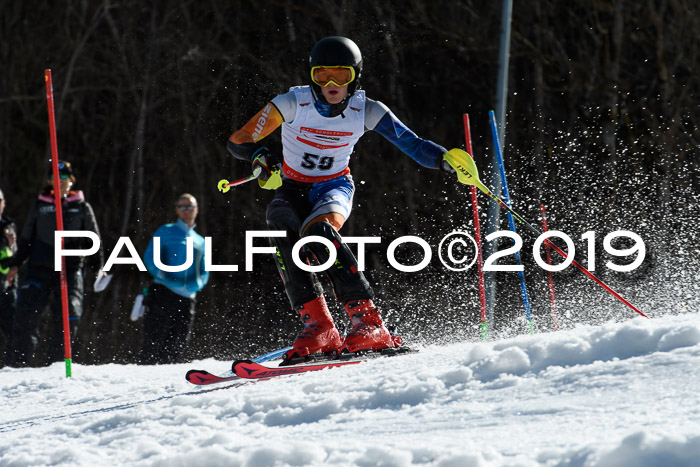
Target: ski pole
[
  {"x": 484, "y": 331},
  {"x": 511, "y": 223},
  {"x": 469, "y": 175},
  {"x": 224, "y": 185},
  {"x": 550, "y": 275}
]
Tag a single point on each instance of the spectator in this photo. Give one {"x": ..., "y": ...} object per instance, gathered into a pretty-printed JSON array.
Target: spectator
[
  {"x": 8, "y": 289},
  {"x": 41, "y": 281},
  {"x": 170, "y": 312}
]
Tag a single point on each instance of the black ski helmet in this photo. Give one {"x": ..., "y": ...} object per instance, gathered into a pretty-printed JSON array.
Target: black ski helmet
[{"x": 337, "y": 51}]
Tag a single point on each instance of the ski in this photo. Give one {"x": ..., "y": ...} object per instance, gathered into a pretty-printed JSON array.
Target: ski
[
  {"x": 250, "y": 370},
  {"x": 254, "y": 370},
  {"x": 334, "y": 356},
  {"x": 204, "y": 378}
]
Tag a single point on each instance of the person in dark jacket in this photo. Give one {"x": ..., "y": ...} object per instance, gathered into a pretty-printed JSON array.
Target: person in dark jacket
[
  {"x": 8, "y": 288},
  {"x": 41, "y": 281}
]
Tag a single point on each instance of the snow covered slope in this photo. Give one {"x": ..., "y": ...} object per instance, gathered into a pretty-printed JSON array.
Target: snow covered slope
[{"x": 614, "y": 395}]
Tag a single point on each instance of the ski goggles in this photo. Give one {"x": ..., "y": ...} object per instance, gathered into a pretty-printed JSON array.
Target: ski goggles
[{"x": 338, "y": 75}]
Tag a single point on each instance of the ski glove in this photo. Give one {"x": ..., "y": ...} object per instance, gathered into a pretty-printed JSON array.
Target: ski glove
[
  {"x": 5, "y": 260},
  {"x": 446, "y": 167},
  {"x": 269, "y": 166}
]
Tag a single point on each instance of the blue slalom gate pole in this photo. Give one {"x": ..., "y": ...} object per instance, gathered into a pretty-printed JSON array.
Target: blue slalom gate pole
[{"x": 511, "y": 221}]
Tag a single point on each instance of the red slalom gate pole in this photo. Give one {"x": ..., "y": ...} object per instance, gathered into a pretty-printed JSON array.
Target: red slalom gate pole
[
  {"x": 550, "y": 275},
  {"x": 558, "y": 250},
  {"x": 59, "y": 220},
  {"x": 469, "y": 175},
  {"x": 475, "y": 210}
]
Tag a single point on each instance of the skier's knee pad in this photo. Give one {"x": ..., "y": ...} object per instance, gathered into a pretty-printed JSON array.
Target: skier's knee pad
[
  {"x": 281, "y": 215},
  {"x": 301, "y": 286},
  {"x": 325, "y": 230},
  {"x": 348, "y": 282}
]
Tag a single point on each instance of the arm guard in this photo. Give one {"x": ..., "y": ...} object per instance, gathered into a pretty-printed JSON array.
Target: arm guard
[
  {"x": 243, "y": 144},
  {"x": 423, "y": 151}
]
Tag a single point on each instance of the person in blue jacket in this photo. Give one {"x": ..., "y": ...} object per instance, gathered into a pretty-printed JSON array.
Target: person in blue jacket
[{"x": 170, "y": 311}]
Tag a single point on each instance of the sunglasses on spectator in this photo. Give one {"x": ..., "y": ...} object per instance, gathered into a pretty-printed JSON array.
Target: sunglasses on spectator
[
  {"x": 61, "y": 176},
  {"x": 186, "y": 207}
]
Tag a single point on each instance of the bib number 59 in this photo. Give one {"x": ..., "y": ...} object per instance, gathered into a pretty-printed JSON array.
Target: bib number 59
[{"x": 313, "y": 161}]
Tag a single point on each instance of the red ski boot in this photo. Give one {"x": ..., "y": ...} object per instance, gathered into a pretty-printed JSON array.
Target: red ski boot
[
  {"x": 319, "y": 334},
  {"x": 368, "y": 331}
]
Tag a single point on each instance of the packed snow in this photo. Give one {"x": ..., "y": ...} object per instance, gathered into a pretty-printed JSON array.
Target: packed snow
[{"x": 620, "y": 394}]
